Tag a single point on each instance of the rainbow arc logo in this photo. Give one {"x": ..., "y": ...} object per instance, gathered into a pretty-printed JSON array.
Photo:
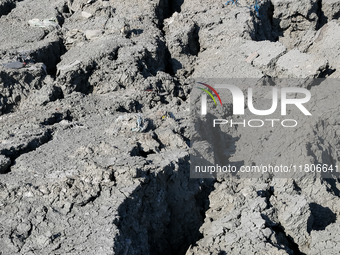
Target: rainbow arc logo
[{"x": 212, "y": 89}]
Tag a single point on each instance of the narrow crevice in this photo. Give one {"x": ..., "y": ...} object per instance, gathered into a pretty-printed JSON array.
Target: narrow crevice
[
  {"x": 161, "y": 145},
  {"x": 168, "y": 67},
  {"x": 326, "y": 73},
  {"x": 182, "y": 133},
  {"x": 71, "y": 208},
  {"x": 162, "y": 12},
  {"x": 286, "y": 240},
  {"x": 92, "y": 198},
  {"x": 112, "y": 177},
  {"x": 132, "y": 106},
  {"x": 265, "y": 24},
  {"x": 320, "y": 79},
  {"x": 57, "y": 117},
  {"x": 50, "y": 56},
  {"x": 54, "y": 237},
  {"x": 221, "y": 143},
  {"x": 322, "y": 18},
  {"x": 14, "y": 153},
  {"x": 113, "y": 56},
  {"x": 138, "y": 151},
  {"x": 168, "y": 221},
  {"x": 284, "y": 244},
  {"x": 121, "y": 108},
  {"x": 194, "y": 44},
  {"x": 22, "y": 237},
  {"x": 66, "y": 9},
  {"x": 13, "y": 81},
  {"x": 145, "y": 154},
  {"x": 333, "y": 183},
  {"x": 296, "y": 187},
  {"x": 79, "y": 81},
  {"x": 70, "y": 182},
  {"x": 149, "y": 65},
  {"x": 175, "y": 6},
  {"x": 336, "y": 15},
  {"x": 168, "y": 63},
  {"x": 166, "y": 9},
  {"x": 29, "y": 232},
  {"x": 62, "y": 15},
  {"x": 88, "y": 88}
]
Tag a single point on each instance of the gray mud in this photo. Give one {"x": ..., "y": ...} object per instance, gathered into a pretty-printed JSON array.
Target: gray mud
[{"x": 95, "y": 127}]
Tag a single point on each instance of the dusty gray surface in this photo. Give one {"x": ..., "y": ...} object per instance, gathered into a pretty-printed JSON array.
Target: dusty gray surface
[{"x": 79, "y": 175}]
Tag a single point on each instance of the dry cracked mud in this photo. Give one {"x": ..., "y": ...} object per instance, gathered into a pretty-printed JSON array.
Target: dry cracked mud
[{"x": 95, "y": 127}]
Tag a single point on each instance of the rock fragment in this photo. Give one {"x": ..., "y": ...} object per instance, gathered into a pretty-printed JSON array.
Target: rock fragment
[
  {"x": 45, "y": 23},
  {"x": 86, "y": 15},
  {"x": 252, "y": 57},
  {"x": 92, "y": 34},
  {"x": 14, "y": 65}
]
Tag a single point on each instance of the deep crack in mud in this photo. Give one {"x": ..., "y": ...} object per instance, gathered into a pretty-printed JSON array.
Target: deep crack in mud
[{"x": 96, "y": 127}]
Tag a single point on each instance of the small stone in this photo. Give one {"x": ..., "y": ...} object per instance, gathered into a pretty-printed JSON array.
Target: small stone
[
  {"x": 14, "y": 65},
  {"x": 125, "y": 30},
  {"x": 86, "y": 15},
  {"x": 252, "y": 57},
  {"x": 91, "y": 34}
]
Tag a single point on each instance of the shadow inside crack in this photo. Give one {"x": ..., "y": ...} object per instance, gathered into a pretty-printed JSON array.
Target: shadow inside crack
[
  {"x": 332, "y": 183},
  {"x": 163, "y": 215},
  {"x": 212, "y": 148},
  {"x": 322, "y": 217},
  {"x": 138, "y": 151},
  {"x": 7, "y": 6},
  {"x": 34, "y": 142}
]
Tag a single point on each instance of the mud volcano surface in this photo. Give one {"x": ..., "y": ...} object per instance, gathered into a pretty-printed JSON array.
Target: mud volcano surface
[{"x": 95, "y": 127}]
